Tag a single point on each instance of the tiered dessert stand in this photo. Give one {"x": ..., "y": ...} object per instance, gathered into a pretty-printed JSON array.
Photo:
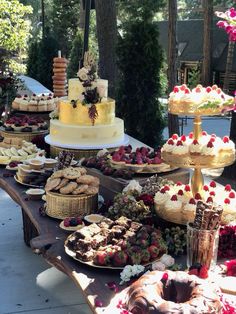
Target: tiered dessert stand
[{"x": 198, "y": 162}]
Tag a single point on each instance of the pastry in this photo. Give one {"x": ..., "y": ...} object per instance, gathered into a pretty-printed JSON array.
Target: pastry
[
  {"x": 86, "y": 179},
  {"x": 52, "y": 183},
  {"x": 68, "y": 188},
  {"x": 63, "y": 183},
  {"x": 81, "y": 188},
  {"x": 71, "y": 173},
  {"x": 91, "y": 190}
]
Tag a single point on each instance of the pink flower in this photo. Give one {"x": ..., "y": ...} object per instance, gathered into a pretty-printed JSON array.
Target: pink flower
[
  {"x": 231, "y": 268},
  {"x": 232, "y": 12}
]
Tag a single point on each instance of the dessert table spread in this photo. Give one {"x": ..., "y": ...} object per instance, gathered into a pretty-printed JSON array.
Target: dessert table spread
[{"x": 45, "y": 237}]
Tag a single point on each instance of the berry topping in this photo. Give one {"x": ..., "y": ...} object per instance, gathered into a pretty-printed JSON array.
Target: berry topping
[
  {"x": 175, "y": 136},
  {"x": 179, "y": 183},
  {"x": 212, "y": 139},
  {"x": 167, "y": 188},
  {"x": 218, "y": 90},
  {"x": 226, "y": 139},
  {"x": 208, "y": 89},
  {"x": 212, "y": 193},
  {"x": 213, "y": 135},
  {"x": 198, "y": 196},
  {"x": 190, "y": 135},
  {"x": 187, "y": 188},
  {"x": 206, "y": 188},
  {"x": 212, "y": 184},
  {"x": 214, "y": 87},
  {"x": 210, "y": 145},
  {"x": 187, "y": 91},
  {"x": 204, "y": 133},
  {"x": 183, "y": 87},
  {"x": 228, "y": 188},
  {"x": 231, "y": 195},
  {"x": 209, "y": 200},
  {"x": 183, "y": 138},
  {"x": 180, "y": 192},
  {"x": 170, "y": 142},
  {"x": 192, "y": 201},
  {"x": 176, "y": 89},
  {"x": 163, "y": 191},
  {"x": 195, "y": 142},
  {"x": 179, "y": 143},
  {"x": 227, "y": 201},
  {"x": 198, "y": 90},
  {"x": 174, "y": 198}
]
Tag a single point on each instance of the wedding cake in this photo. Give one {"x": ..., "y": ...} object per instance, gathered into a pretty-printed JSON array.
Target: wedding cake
[{"x": 87, "y": 116}]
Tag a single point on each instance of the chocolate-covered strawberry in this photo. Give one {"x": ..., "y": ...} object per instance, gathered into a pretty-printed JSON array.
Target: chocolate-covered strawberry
[
  {"x": 142, "y": 243},
  {"x": 102, "y": 258},
  {"x": 154, "y": 251},
  {"x": 119, "y": 258},
  {"x": 135, "y": 257}
]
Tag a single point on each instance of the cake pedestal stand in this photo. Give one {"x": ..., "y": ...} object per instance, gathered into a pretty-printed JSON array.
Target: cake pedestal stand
[
  {"x": 81, "y": 151},
  {"x": 27, "y": 136},
  {"x": 198, "y": 162}
]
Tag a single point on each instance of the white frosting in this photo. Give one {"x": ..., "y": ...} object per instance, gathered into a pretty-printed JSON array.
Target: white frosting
[
  {"x": 168, "y": 148},
  {"x": 189, "y": 207},
  {"x": 161, "y": 198},
  {"x": 195, "y": 148},
  {"x": 211, "y": 151},
  {"x": 180, "y": 150},
  {"x": 173, "y": 205}
]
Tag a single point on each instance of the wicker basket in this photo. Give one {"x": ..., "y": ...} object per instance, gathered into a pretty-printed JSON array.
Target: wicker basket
[{"x": 61, "y": 206}]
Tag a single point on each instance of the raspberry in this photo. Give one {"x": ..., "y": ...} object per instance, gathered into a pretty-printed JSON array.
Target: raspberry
[
  {"x": 212, "y": 139},
  {"x": 203, "y": 273},
  {"x": 228, "y": 187},
  {"x": 210, "y": 144},
  {"x": 176, "y": 89},
  {"x": 163, "y": 191},
  {"x": 206, "y": 188},
  {"x": 167, "y": 188},
  {"x": 187, "y": 91},
  {"x": 208, "y": 89},
  {"x": 212, "y": 193},
  {"x": 198, "y": 196},
  {"x": 179, "y": 183},
  {"x": 175, "y": 136},
  {"x": 227, "y": 201},
  {"x": 195, "y": 142},
  {"x": 174, "y": 198},
  {"x": 192, "y": 201},
  {"x": 180, "y": 192},
  {"x": 204, "y": 133},
  {"x": 209, "y": 200},
  {"x": 226, "y": 139},
  {"x": 187, "y": 188},
  {"x": 231, "y": 195},
  {"x": 212, "y": 184},
  {"x": 170, "y": 142},
  {"x": 190, "y": 135},
  {"x": 183, "y": 138}
]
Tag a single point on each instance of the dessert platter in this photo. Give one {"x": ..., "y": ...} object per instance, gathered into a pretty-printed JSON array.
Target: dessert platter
[
  {"x": 35, "y": 103},
  {"x": 142, "y": 160},
  {"x": 114, "y": 244},
  {"x": 86, "y": 119},
  {"x": 71, "y": 224}
]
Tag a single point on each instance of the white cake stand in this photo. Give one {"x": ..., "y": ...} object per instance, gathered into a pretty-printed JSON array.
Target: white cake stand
[{"x": 80, "y": 151}]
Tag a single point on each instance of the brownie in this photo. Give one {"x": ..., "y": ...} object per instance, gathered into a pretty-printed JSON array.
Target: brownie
[
  {"x": 129, "y": 234},
  {"x": 84, "y": 245},
  {"x": 107, "y": 221},
  {"x": 83, "y": 233},
  {"x": 85, "y": 256},
  {"x": 107, "y": 233},
  {"x": 118, "y": 231},
  {"x": 94, "y": 229},
  {"x": 124, "y": 221},
  {"x": 98, "y": 240},
  {"x": 135, "y": 226}
]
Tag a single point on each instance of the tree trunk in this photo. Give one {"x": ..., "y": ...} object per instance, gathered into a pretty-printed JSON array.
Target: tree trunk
[
  {"x": 207, "y": 42},
  {"x": 173, "y": 121},
  {"x": 107, "y": 40},
  {"x": 81, "y": 15},
  {"x": 230, "y": 172}
]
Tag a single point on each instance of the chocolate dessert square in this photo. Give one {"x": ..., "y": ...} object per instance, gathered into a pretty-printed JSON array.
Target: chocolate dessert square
[
  {"x": 98, "y": 240},
  {"x": 94, "y": 229},
  {"x": 135, "y": 226},
  {"x": 129, "y": 234},
  {"x": 124, "y": 221},
  {"x": 85, "y": 256},
  {"x": 118, "y": 231},
  {"x": 108, "y": 234},
  {"x": 84, "y": 245},
  {"x": 107, "y": 221},
  {"x": 83, "y": 233}
]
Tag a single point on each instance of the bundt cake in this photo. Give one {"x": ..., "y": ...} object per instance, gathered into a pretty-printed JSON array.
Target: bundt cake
[{"x": 172, "y": 292}]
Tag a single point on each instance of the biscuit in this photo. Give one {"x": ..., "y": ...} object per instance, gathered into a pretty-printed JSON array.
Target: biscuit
[
  {"x": 80, "y": 189},
  {"x": 63, "y": 182},
  {"x": 95, "y": 182},
  {"x": 71, "y": 173},
  {"x": 91, "y": 190},
  {"x": 69, "y": 188},
  {"x": 85, "y": 179},
  {"x": 82, "y": 170},
  {"x": 52, "y": 184},
  {"x": 57, "y": 174}
]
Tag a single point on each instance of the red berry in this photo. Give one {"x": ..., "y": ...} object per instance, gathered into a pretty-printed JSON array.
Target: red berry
[
  {"x": 170, "y": 142},
  {"x": 180, "y": 192},
  {"x": 209, "y": 200},
  {"x": 212, "y": 193},
  {"x": 198, "y": 90},
  {"x": 176, "y": 89},
  {"x": 167, "y": 188},
  {"x": 174, "y": 198},
  {"x": 195, "y": 142},
  {"x": 187, "y": 91},
  {"x": 183, "y": 138},
  {"x": 208, "y": 89},
  {"x": 187, "y": 188},
  {"x": 192, "y": 201},
  {"x": 228, "y": 188},
  {"x": 163, "y": 191},
  {"x": 227, "y": 201},
  {"x": 203, "y": 273},
  {"x": 210, "y": 145},
  {"x": 183, "y": 87},
  {"x": 198, "y": 196},
  {"x": 214, "y": 87},
  {"x": 212, "y": 184},
  {"x": 175, "y": 136},
  {"x": 204, "y": 133},
  {"x": 193, "y": 272},
  {"x": 218, "y": 90},
  {"x": 206, "y": 188},
  {"x": 226, "y": 139},
  {"x": 212, "y": 139},
  {"x": 231, "y": 195},
  {"x": 164, "y": 277},
  {"x": 179, "y": 183},
  {"x": 190, "y": 135}
]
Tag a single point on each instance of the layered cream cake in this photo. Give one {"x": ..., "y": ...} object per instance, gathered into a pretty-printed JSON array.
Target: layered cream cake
[
  {"x": 87, "y": 116},
  {"x": 208, "y": 150},
  {"x": 200, "y": 100},
  {"x": 178, "y": 204}
]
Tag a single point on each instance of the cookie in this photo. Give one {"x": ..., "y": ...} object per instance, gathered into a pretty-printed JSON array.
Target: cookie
[
  {"x": 85, "y": 179},
  {"x": 91, "y": 190},
  {"x": 57, "y": 174},
  {"x": 71, "y": 173},
  {"x": 52, "y": 184},
  {"x": 63, "y": 183},
  {"x": 69, "y": 188},
  {"x": 82, "y": 170},
  {"x": 80, "y": 189},
  {"x": 95, "y": 182}
]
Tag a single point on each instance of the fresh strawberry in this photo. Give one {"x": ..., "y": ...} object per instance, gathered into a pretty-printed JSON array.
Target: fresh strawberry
[
  {"x": 231, "y": 195},
  {"x": 193, "y": 271},
  {"x": 212, "y": 193},
  {"x": 175, "y": 136},
  {"x": 187, "y": 91},
  {"x": 167, "y": 188},
  {"x": 208, "y": 89},
  {"x": 180, "y": 192},
  {"x": 212, "y": 184},
  {"x": 205, "y": 188},
  {"x": 209, "y": 199},
  {"x": 195, "y": 142},
  {"x": 145, "y": 255},
  {"x": 102, "y": 258},
  {"x": 183, "y": 138},
  {"x": 192, "y": 201},
  {"x": 154, "y": 251},
  {"x": 176, "y": 89},
  {"x": 179, "y": 183},
  {"x": 226, "y": 139},
  {"x": 183, "y": 87},
  {"x": 174, "y": 198},
  {"x": 203, "y": 273},
  {"x": 190, "y": 135},
  {"x": 179, "y": 143},
  {"x": 227, "y": 201},
  {"x": 187, "y": 188},
  {"x": 170, "y": 141},
  {"x": 120, "y": 258},
  {"x": 210, "y": 144},
  {"x": 198, "y": 196},
  {"x": 228, "y": 188},
  {"x": 204, "y": 133}
]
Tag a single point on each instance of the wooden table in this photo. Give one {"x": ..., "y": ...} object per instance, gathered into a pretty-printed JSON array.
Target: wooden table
[{"x": 45, "y": 237}]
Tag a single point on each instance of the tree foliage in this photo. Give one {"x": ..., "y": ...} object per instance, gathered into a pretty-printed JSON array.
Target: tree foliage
[
  {"x": 139, "y": 61},
  {"x": 75, "y": 56}
]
